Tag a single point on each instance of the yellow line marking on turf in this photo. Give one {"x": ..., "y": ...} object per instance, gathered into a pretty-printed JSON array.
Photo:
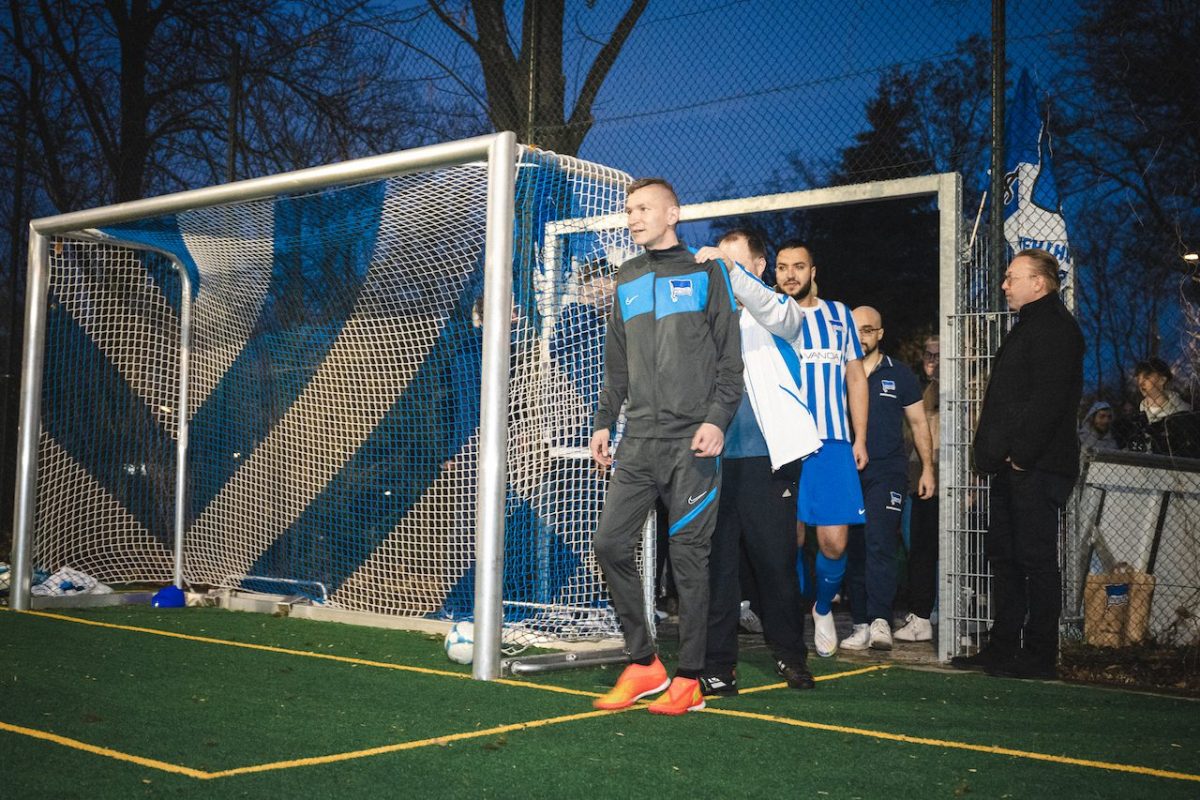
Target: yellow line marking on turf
[
  {"x": 107, "y": 752},
  {"x": 199, "y": 774},
  {"x": 413, "y": 745},
  {"x": 978, "y": 748},
  {"x": 441, "y": 740},
  {"x": 830, "y": 677},
  {"x": 306, "y": 653}
]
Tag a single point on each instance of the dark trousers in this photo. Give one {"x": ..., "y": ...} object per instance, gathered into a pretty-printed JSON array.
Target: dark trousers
[
  {"x": 1022, "y": 549},
  {"x": 757, "y": 516},
  {"x": 922, "y": 556},
  {"x": 690, "y": 486},
  {"x": 871, "y": 547}
]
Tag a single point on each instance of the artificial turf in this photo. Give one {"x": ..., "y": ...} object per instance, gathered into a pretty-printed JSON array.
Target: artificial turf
[{"x": 212, "y": 707}]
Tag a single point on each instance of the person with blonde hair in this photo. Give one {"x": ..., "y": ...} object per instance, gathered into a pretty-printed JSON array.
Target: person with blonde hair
[{"x": 673, "y": 359}]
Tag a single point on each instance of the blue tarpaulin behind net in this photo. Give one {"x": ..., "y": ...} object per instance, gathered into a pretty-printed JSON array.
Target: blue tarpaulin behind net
[{"x": 324, "y": 245}]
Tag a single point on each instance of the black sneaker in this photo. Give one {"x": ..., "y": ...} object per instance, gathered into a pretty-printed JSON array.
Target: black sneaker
[
  {"x": 719, "y": 685},
  {"x": 796, "y": 675},
  {"x": 1024, "y": 666},
  {"x": 986, "y": 659}
]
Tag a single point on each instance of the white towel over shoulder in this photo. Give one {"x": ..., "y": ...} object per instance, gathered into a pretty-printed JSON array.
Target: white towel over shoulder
[{"x": 774, "y": 393}]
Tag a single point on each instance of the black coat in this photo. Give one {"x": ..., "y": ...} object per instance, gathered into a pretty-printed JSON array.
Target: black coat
[{"x": 1033, "y": 393}]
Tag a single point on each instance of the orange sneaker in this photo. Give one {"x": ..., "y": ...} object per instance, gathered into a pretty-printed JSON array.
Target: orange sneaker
[
  {"x": 684, "y": 695},
  {"x": 636, "y": 682}
]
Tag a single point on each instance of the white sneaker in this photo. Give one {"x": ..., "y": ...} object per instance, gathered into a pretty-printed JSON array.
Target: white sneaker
[
  {"x": 881, "y": 635},
  {"x": 915, "y": 629},
  {"x": 860, "y": 639},
  {"x": 748, "y": 620},
  {"x": 824, "y": 633}
]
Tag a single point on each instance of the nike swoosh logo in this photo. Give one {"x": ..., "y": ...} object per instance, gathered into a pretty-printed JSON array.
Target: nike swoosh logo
[
  {"x": 692, "y": 500},
  {"x": 629, "y": 300},
  {"x": 862, "y": 512}
]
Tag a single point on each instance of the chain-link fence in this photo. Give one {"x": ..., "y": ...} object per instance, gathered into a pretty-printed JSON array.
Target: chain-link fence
[
  {"x": 1131, "y": 569},
  {"x": 727, "y": 98}
]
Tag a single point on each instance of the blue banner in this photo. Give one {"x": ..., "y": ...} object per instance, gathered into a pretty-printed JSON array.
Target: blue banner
[{"x": 1033, "y": 215}]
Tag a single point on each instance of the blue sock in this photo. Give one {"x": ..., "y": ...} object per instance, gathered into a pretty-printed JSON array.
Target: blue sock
[{"x": 829, "y": 579}]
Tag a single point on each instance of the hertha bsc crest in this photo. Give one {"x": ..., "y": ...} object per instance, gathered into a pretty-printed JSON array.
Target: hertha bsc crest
[{"x": 680, "y": 287}]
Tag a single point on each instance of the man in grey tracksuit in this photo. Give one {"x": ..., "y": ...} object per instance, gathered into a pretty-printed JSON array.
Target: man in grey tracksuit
[{"x": 673, "y": 351}]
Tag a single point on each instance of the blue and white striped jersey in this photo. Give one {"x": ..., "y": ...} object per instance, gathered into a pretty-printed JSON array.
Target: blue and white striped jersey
[{"x": 827, "y": 342}]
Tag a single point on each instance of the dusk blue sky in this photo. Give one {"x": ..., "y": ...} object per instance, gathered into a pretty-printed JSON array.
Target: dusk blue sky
[{"x": 718, "y": 95}]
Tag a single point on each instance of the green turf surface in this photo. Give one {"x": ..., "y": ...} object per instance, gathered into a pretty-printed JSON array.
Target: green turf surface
[{"x": 214, "y": 707}]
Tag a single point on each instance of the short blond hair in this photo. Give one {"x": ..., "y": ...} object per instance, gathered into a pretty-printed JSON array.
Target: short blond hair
[{"x": 642, "y": 183}]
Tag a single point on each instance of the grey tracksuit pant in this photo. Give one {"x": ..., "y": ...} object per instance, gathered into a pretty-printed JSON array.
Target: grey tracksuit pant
[{"x": 690, "y": 487}]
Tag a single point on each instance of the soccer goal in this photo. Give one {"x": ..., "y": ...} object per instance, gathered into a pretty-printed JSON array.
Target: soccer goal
[
  {"x": 967, "y": 337},
  {"x": 366, "y": 387}
]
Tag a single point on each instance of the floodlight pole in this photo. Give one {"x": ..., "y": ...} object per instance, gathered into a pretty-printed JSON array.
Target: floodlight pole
[{"x": 997, "y": 247}]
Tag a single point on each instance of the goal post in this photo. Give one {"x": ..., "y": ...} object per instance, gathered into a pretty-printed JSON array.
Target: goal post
[{"x": 354, "y": 381}]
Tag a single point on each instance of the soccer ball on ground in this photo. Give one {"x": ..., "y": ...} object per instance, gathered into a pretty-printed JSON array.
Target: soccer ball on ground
[{"x": 460, "y": 642}]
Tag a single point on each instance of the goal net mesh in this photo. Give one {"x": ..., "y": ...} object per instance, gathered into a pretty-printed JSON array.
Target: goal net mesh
[{"x": 334, "y": 395}]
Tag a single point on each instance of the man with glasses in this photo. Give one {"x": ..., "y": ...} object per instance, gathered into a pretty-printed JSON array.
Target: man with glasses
[
  {"x": 894, "y": 396},
  {"x": 1026, "y": 441}
]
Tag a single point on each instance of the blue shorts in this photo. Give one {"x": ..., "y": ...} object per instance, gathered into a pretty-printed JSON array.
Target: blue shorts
[{"x": 830, "y": 491}]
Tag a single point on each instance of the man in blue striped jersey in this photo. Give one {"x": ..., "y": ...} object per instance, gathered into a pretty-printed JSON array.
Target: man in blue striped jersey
[{"x": 834, "y": 383}]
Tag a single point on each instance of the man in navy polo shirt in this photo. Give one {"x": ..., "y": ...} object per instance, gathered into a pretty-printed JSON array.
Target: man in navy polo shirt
[{"x": 894, "y": 396}]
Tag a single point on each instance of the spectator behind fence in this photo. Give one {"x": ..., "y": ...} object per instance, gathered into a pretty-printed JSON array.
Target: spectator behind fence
[
  {"x": 1095, "y": 432},
  {"x": 1159, "y": 403},
  {"x": 1125, "y": 425},
  {"x": 1026, "y": 439}
]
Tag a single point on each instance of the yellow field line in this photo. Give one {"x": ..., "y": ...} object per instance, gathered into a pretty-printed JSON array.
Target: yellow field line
[
  {"x": 394, "y": 748},
  {"x": 305, "y": 653},
  {"x": 460, "y": 737},
  {"x": 108, "y": 752},
  {"x": 440, "y": 740},
  {"x": 502, "y": 729},
  {"x": 199, "y": 774},
  {"x": 384, "y": 664},
  {"x": 830, "y": 677},
  {"x": 978, "y": 748}
]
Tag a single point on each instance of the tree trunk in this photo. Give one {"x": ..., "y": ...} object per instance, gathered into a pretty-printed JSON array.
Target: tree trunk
[{"x": 134, "y": 32}]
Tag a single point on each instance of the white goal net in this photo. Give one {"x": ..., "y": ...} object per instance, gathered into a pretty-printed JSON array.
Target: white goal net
[{"x": 329, "y": 346}]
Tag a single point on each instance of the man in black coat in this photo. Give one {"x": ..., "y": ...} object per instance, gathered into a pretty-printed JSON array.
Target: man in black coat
[{"x": 1026, "y": 441}]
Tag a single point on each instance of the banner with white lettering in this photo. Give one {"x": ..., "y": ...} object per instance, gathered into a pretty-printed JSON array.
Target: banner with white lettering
[{"x": 1033, "y": 215}]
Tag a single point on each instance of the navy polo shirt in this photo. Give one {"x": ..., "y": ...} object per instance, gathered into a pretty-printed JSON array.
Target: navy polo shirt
[{"x": 891, "y": 388}]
